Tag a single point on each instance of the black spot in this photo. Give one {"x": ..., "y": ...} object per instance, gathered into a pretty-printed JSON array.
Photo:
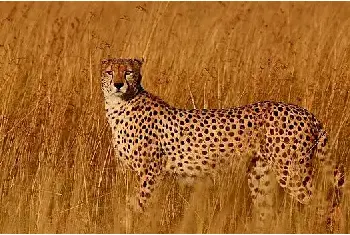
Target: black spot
[
  {"x": 306, "y": 180},
  {"x": 286, "y": 140}
]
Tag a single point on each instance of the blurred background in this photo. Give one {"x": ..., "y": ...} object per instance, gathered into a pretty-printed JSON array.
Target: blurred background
[{"x": 58, "y": 172}]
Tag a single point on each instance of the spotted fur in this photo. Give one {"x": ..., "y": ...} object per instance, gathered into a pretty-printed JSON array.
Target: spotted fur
[{"x": 153, "y": 138}]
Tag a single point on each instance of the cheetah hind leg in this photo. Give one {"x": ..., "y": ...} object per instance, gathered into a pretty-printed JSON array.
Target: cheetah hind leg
[
  {"x": 262, "y": 184},
  {"x": 334, "y": 216},
  {"x": 296, "y": 177}
]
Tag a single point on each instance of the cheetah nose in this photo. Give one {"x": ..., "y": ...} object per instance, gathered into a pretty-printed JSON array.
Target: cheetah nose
[{"x": 118, "y": 85}]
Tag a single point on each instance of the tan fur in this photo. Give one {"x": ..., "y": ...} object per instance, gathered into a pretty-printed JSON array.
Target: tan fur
[{"x": 152, "y": 138}]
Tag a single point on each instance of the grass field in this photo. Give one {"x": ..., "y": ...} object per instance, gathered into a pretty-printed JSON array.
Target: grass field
[{"x": 58, "y": 173}]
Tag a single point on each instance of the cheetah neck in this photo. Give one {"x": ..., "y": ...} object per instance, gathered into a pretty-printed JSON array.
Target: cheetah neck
[{"x": 113, "y": 102}]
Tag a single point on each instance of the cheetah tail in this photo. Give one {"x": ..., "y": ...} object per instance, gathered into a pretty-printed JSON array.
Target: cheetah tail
[{"x": 335, "y": 193}]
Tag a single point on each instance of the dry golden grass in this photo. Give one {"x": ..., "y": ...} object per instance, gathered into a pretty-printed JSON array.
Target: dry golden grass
[{"x": 58, "y": 173}]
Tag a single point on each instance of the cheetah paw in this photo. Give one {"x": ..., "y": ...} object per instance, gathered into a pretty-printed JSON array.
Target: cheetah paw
[{"x": 133, "y": 205}]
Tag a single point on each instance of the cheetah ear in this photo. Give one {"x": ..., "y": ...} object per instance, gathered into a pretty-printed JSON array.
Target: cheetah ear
[
  {"x": 140, "y": 61},
  {"x": 105, "y": 63}
]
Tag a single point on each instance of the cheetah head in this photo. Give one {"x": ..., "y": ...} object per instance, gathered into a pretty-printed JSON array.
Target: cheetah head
[{"x": 121, "y": 78}]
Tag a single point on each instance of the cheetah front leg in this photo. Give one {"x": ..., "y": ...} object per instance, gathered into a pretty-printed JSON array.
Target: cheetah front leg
[
  {"x": 148, "y": 179},
  {"x": 147, "y": 185},
  {"x": 137, "y": 204}
]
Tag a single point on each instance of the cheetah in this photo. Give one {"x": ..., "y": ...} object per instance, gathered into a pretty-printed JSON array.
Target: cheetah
[{"x": 283, "y": 142}]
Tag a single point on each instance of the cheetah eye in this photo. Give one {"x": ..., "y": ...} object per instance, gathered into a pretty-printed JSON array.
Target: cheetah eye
[
  {"x": 109, "y": 73},
  {"x": 128, "y": 72},
  {"x": 128, "y": 75}
]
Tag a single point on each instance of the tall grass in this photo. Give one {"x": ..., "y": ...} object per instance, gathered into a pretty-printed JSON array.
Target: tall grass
[{"x": 58, "y": 172}]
